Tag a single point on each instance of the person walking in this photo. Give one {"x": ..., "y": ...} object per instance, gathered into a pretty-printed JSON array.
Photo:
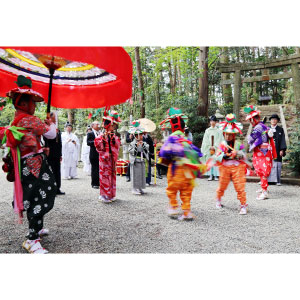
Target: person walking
[
  {"x": 108, "y": 144},
  {"x": 263, "y": 146},
  {"x": 85, "y": 154},
  {"x": 280, "y": 145},
  {"x": 148, "y": 139},
  {"x": 70, "y": 152},
  {"x": 94, "y": 155},
  {"x": 211, "y": 140},
  {"x": 138, "y": 156},
  {"x": 55, "y": 154},
  {"x": 34, "y": 182}
]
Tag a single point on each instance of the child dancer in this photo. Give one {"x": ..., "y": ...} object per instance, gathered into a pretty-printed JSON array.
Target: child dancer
[
  {"x": 138, "y": 156},
  {"x": 231, "y": 161},
  {"x": 263, "y": 146},
  {"x": 34, "y": 182},
  {"x": 211, "y": 140},
  {"x": 184, "y": 163},
  {"x": 108, "y": 145}
]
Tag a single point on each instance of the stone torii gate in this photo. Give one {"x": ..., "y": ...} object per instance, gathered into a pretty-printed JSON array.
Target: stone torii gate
[{"x": 238, "y": 68}]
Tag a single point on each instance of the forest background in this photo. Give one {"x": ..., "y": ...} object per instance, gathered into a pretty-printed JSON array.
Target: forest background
[{"x": 188, "y": 78}]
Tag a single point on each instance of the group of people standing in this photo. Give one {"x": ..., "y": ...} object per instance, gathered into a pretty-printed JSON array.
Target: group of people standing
[{"x": 34, "y": 170}]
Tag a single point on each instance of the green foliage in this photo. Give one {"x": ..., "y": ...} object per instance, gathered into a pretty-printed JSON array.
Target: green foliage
[{"x": 293, "y": 155}]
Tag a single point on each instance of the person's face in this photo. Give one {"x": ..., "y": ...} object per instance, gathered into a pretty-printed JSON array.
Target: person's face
[
  {"x": 52, "y": 118},
  {"x": 110, "y": 127},
  {"x": 28, "y": 106},
  {"x": 229, "y": 137},
  {"x": 96, "y": 126},
  {"x": 274, "y": 121},
  {"x": 69, "y": 129},
  {"x": 89, "y": 130},
  {"x": 139, "y": 137},
  {"x": 254, "y": 121},
  {"x": 212, "y": 123}
]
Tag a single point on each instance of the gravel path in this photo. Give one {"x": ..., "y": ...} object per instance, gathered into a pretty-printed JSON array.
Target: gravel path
[{"x": 79, "y": 223}]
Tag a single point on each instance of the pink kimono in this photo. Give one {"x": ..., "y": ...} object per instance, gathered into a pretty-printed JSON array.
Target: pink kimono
[{"x": 108, "y": 149}]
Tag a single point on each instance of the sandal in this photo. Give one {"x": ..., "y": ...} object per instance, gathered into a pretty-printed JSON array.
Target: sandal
[{"x": 34, "y": 247}]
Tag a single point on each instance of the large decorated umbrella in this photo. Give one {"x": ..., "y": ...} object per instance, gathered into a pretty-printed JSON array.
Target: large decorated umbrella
[
  {"x": 79, "y": 77},
  {"x": 147, "y": 124}
]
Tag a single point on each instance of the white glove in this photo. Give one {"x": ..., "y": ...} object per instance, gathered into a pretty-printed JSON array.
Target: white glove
[{"x": 271, "y": 132}]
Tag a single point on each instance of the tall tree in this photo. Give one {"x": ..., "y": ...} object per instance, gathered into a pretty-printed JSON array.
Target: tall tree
[
  {"x": 203, "y": 82},
  {"x": 227, "y": 91},
  {"x": 140, "y": 81}
]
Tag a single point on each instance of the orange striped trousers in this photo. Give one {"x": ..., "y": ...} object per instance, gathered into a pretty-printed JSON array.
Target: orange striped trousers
[
  {"x": 238, "y": 177},
  {"x": 179, "y": 183}
]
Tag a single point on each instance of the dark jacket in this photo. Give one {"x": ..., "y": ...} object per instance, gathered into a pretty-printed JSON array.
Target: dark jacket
[
  {"x": 149, "y": 141},
  {"x": 128, "y": 139},
  {"x": 90, "y": 142},
  {"x": 279, "y": 139},
  {"x": 54, "y": 146}
]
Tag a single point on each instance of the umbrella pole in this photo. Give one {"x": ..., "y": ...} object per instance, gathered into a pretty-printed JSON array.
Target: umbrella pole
[{"x": 51, "y": 71}]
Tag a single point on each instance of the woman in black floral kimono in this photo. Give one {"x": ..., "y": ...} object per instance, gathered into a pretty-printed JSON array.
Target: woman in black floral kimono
[{"x": 37, "y": 193}]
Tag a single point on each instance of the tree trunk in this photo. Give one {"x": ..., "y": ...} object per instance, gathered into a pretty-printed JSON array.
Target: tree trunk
[
  {"x": 171, "y": 79},
  {"x": 227, "y": 91},
  {"x": 296, "y": 85},
  {"x": 71, "y": 113},
  {"x": 140, "y": 81},
  {"x": 254, "y": 91},
  {"x": 237, "y": 94},
  {"x": 203, "y": 82},
  {"x": 179, "y": 79}
]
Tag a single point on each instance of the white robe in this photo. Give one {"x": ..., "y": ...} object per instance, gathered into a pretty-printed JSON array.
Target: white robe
[
  {"x": 70, "y": 153},
  {"x": 85, "y": 157}
]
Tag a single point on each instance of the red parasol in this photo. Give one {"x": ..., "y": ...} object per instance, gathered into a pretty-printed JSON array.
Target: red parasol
[{"x": 84, "y": 77}]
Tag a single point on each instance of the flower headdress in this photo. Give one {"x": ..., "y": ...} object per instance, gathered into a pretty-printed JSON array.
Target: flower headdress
[{"x": 230, "y": 125}]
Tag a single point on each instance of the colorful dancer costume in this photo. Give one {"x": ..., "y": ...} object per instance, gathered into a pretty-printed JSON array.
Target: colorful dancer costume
[
  {"x": 263, "y": 146},
  {"x": 183, "y": 159},
  {"x": 138, "y": 157},
  {"x": 212, "y": 138},
  {"x": 231, "y": 160},
  {"x": 108, "y": 145},
  {"x": 34, "y": 182}
]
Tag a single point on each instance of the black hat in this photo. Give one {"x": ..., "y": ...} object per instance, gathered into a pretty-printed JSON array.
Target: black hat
[
  {"x": 275, "y": 116},
  {"x": 213, "y": 118},
  {"x": 68, "y": 124}
]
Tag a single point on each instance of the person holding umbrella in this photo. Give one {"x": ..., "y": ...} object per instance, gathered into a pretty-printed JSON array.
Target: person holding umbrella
[
  {"x": 139, "y": 157},
  {"x": 108, "y": 144},
  {"x": 34, "y": 183},
  {"x": 280, "y": 144}
]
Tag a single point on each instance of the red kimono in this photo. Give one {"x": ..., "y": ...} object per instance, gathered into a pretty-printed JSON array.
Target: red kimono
[{"x": 108, "y": 149}]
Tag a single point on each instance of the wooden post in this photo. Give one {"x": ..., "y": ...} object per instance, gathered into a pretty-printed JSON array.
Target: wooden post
[
  {"x": 296, "y": 84},
  {"x": 282, "y": 119},
  {"x": 237, "y": 93}
]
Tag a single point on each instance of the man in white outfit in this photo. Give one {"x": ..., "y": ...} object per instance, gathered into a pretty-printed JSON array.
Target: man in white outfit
[
  {"x": 85, "y": 154},
  {"x": 70, "y": 152}
]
